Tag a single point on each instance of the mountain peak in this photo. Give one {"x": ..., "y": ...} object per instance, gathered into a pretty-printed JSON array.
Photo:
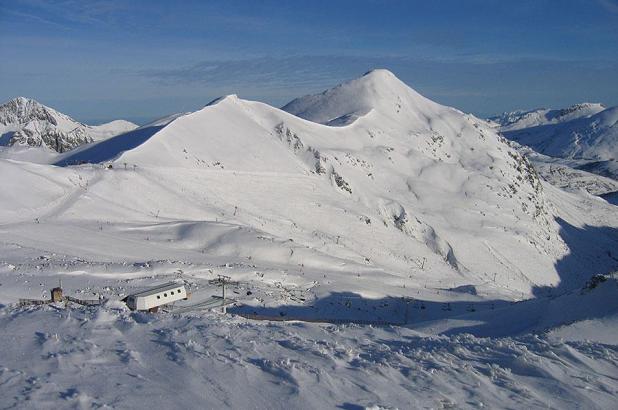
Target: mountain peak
[
  {"x": 22, "y": 100},
  {"x": 21, "y": 110},
  {"x": 228, "y": 98},
  {"x": 27, "y": 122},
  {"x": 378, "y": 90},
  {"x": 380, "y": 73},
  {"x": 23, "y": 103},
  {"x": 380, "y": 81},
  {"x": 18, "y": 102}
]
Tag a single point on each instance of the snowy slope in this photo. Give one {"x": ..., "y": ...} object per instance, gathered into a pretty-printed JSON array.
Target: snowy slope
[
  {"x": 420, "y": 178},
  {"x": 114, "y": 358},
  {"x": 568, "y": 144},
  {"x": 408, "y": 181},
  {"x": 26, "y": 122},
  {"x": 406, "y": 212},
  {"x": 516, "y": 120},
  {"x": 110, "y": 148},
  {"x": 594, "y": 137},
  {"x": 569, "y": 174},
  {"x": 376, "y": 90},
  {"x": 109, "y": 129}
]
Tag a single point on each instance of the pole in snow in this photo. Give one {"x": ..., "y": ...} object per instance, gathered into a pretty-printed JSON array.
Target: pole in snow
[
  {"x": 221, "y": 279},
  {"x": 406, "y": 302}
]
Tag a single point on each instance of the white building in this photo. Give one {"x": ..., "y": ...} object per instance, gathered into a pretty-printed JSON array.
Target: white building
[{"x": 152, "y": 298}]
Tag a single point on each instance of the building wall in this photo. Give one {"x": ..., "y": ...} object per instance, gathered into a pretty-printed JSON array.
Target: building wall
[{"x": 161, "y": 298}]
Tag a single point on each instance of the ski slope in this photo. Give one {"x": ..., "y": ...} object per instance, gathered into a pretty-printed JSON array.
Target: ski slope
[{"x": 366, "y": 203}]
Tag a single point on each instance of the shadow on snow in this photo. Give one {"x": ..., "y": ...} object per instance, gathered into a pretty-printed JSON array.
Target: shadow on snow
[
  {"x": 593, "y": 250},
  {"x": 110, "y": 148}
]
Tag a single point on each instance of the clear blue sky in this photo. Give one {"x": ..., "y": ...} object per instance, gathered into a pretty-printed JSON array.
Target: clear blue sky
[{"x": 98, "y": 60}]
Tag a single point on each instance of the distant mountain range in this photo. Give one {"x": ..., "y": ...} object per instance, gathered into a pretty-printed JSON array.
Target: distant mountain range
[
  {"x": 516, "y": 120},
  {"x": 26, "y": 122},
  {"x": 584, "y": 135}
]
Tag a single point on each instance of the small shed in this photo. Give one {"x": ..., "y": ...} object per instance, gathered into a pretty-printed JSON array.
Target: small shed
[
  {"x": 56, "y": 294},
  {"x": 151, "y": 299}
]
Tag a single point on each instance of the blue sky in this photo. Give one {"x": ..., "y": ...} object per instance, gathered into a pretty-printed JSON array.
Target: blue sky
[{"x": 98, "y": 60}]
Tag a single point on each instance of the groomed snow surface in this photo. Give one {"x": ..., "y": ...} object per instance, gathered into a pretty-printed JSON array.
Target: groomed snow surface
[{"x": 384, "y": 252}]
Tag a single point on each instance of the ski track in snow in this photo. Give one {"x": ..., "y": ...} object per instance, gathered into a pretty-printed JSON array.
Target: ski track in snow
[{"x": 377, "y": 206}]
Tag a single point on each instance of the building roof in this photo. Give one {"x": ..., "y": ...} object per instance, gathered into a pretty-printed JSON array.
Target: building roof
[{"x": 159, "y": 289}]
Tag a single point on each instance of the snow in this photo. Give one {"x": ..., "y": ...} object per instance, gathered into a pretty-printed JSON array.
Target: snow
[
  {"x": 110, "y": 357},
  {"x": 376, "y": 90},
  {"x": 395, "y": 253},
  {"x": 572, "y": 148},
  {"x": 109, "y": 129},
  {"x": 604, "y": 330},
  {"x": 27, "y": 123},
  {"x": 592, "y": 137},
  {"x": 587, "y": 138},
  {"x": 517, "y": 120},
  {"x": 37, "y": 155},
  {"x": 570, "y": 174}
]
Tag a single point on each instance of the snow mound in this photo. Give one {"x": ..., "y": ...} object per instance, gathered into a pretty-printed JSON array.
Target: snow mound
[
  {"x": 29, "y": 189},
  {"x": 109, "y": 129}
]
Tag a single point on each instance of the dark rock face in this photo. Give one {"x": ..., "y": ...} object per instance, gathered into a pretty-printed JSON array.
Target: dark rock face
[
  {"x": 54, "y": 139},
  {"x": 36, "y": 125},
  {"x": 22, "y": 111}
]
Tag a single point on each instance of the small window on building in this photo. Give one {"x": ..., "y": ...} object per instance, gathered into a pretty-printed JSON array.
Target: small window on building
[
  {"x": 178, "y": 290},
  {"x": 165, "y": 294},
  {"x": 158, "y": 296},
  {"x": 172, "y": 292}
]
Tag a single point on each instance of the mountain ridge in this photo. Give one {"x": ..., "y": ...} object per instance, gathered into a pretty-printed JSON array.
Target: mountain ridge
[
  {"x": 399, "y": 165},
  {"x": 515, "y": 120},
  {"x": 418, "y": 180},
  {"x": 377, "y": 89},
  {"x": 583, "y": 137},
  {"x": 26, "y": 122}
]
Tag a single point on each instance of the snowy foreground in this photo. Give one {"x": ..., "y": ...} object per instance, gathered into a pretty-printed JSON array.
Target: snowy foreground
[
  {"x": 109, "y": 357},
  {"x": 384, "y": 252}
]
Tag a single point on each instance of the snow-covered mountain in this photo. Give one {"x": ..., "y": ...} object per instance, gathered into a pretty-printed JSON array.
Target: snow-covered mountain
[
  {"x": 516, "y": 120},
  {"x": 26, "y": 122},
  {"x": 570, "y": 174},
  {"x": 376, "y": 90},
  {"x": 586, "y": 137},
  {"x": 591, "y": 137},
  {"x": 406, "y": 178},
  {"x": 400, "y": 212}
]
